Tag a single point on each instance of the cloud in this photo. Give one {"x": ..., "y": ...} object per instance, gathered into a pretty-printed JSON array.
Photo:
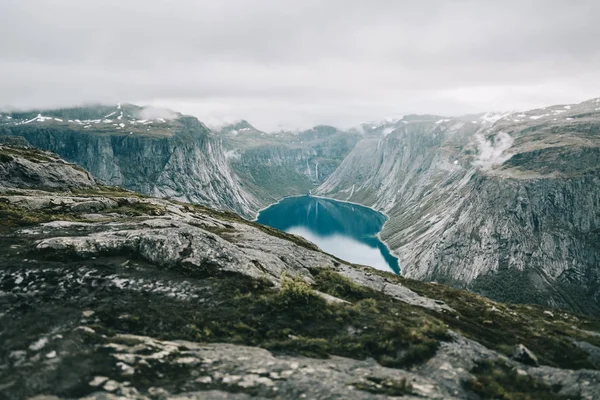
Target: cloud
[
  {"x": 150, "y": 112},
  {"x": 298, "y": 63},
  {"x": 493, "y": 151}
]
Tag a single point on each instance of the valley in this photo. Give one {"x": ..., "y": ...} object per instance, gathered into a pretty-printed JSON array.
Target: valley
[{"x": 506, "y": 205}]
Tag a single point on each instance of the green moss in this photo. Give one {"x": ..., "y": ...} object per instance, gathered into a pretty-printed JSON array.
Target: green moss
[
  {"x": 497, "y": 380},
  {"x": 5, "y": 158},
  {"x": 294, "y": 320},
  {"x": 27, "y": 153},
  {"x": 502, "y": 326},
  {"x": 337, "y": 285},
  {"x": 14, "y": 216}
]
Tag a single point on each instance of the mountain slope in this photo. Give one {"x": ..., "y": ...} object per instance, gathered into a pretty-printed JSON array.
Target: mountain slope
[
  {"x": 111, "y": 294},
  {"x": 506, "y": 206},
  {"x": 150, "y": 151},
  {"x": 272, "y": 166}
]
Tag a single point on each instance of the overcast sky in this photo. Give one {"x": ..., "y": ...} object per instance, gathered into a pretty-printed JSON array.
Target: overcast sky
[{"x": 296, "y": 63}]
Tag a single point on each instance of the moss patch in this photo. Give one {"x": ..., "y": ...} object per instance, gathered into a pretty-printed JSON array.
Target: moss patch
[
  {"x": 501, "y": 326},
  {"x": 27, "y": 153},
  {"x": 497, "y": 380},
  {"x": 13, "y": 216},
  {"x": 294, "y": 320}
]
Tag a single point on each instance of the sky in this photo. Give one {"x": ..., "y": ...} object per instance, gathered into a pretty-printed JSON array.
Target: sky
[{"x": 297, "y": 63}]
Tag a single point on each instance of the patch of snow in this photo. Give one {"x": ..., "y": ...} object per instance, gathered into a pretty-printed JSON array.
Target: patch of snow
[
  {"x": 558, "y": 111},
  {"x": 163, "y": 120},
  {"x": 120, "y": 115},
  {"x": 87, "y": 126},
  {"x": 455, "y": 162},
  {"x": 492, "y": 118},
  {"x": 122, "y": 125},
  {"x": 39, "y": 118},
  {"x": 567, "y": 107},
  {"x": 442, "y": 120},
  {"x": 58, "y": 119},
  {"x": 405, "y": 122},
  {"x": 107, "y": 121},
  {"x": 118, "y": 106},
  {"x": 569, "y": 119},
  {"x": 110, "y": 115}
]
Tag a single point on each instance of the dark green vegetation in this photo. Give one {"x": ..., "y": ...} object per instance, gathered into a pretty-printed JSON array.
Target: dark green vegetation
[
  {"x": 498, "y": 380},
  {"x": 501, "y": 326},
  {"x": 8, "y": 153},
  {"x": 294, "y": 319},
  {"x": 13, "y": 215}
]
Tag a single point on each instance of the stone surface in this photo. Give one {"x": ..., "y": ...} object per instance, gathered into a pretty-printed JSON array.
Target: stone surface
[{"x": 507, "y": 206}]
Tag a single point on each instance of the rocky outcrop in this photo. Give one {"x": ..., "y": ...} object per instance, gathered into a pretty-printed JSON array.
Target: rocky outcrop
[
  {"x": 510, "y": 210},
  {"x": 24, "y": 167},
  {"x": 109, "y": 294}
]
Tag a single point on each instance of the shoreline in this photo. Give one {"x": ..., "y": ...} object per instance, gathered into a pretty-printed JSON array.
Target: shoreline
[{"x": 378, "y": 235}]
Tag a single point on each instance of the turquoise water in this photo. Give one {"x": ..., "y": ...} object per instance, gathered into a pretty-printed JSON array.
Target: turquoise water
[{"x": 346, "y": 230}]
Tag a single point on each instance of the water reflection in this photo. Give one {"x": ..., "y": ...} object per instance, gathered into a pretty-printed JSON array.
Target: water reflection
[{"x": 343, "y": 229}]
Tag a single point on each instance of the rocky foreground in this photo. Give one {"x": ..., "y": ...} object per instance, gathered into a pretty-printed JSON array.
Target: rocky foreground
[{"x": 108, "y": 294}]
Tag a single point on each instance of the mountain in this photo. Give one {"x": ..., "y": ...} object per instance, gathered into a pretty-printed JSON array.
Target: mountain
[
  {"x": 148, "y": 150},
  {"x": 272, "y": 166},
  {"x": 110, "y": 294},
  {"x": 504, "y": 205}
]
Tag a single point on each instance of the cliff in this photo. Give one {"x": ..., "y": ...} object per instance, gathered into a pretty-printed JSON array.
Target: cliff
[
  {"x": 508, "y": 206},
  {"x": 175, "y": 156}
]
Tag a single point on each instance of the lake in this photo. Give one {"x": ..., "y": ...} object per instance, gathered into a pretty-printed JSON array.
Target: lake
[{"x": 346, "y": 230}]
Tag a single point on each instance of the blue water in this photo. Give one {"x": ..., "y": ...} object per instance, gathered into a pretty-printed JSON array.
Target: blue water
[{"x": 346, "y": 230}]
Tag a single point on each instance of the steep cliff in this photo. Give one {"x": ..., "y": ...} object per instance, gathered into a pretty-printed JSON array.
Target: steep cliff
[
  {"x": 506, "y": 206},
  {"x": 150, "y": 151},
  {"x": 108, "y": 294},
  {"x": 272, "y": 166}
]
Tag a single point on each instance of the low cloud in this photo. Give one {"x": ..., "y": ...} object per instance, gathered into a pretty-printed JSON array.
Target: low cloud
[
  {"x": 156, "y": 113},
  {"x": 493, "y": 151}
]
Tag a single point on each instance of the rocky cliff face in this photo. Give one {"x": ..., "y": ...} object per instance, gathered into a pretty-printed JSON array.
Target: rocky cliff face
[
  {"x": 507, "y": 208},
  {"x": 175, "y": 156},
  {"x": 109, "y": 294},
  {"x": 276, "y": 165}
]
